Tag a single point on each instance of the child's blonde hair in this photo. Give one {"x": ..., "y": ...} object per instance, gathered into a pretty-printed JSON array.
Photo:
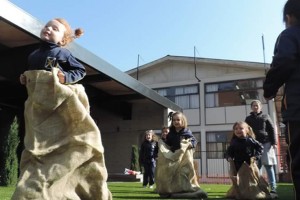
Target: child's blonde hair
[
  {"x": 181, "y": 116},
  {"x": 250, "y": 132},
  {"x": 152, "y": 133},
  {"x": 69, "y": 34}
]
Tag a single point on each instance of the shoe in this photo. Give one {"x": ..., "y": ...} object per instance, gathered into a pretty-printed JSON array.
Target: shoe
[
  {"x": 151, "y": 186},
  {"x": 165, "y": 195},
  {"x": 273, "y": 194},
  {"x": 144, "y": 186}
]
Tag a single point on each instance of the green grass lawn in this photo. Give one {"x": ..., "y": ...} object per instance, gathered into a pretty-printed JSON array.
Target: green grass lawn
[
  {"x": 134, "y": 190},
  {"x": 6, "y": 192}
]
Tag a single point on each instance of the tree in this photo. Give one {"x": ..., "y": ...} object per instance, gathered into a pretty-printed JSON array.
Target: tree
[
  {"x": 9, "y": 177},
  {"x": 135, "y": 165}
]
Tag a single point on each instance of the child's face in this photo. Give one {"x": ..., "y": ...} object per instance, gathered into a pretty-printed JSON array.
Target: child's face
[
  {"x": 177, "y": 121},
  {"x": 164, "y": 133},
  {"x": 240, "y": 131},
  {"x": 53, "y": 32},
  {"x": 148, "y": 136}
]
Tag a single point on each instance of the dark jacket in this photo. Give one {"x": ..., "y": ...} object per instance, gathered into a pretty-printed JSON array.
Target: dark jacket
[
  {"x": 72, "y": 69},
  {"x": 242, "y": 149},
  {"x": 174, "y": 138},
  {"x": 285, "y": 69},
  {"x": 262, "y": 127},
  {"x": 148, "y": 151}
]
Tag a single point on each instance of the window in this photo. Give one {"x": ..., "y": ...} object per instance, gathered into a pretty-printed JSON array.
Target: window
[
  {"x": 217, "y": 143},
  {"x": 233, "y": 93},
  {"x": 187, "y": 97}
]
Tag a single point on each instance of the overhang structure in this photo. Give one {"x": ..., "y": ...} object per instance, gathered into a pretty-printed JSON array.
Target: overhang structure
[{"x": 19, "y": 35}]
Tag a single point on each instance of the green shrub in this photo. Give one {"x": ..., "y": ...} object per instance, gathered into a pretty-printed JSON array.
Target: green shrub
[
  {"x": 135, "y": 165},
  {"x": 10, "y": 175}
]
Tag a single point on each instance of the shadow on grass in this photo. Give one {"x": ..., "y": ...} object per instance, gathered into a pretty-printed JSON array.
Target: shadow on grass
[
  {"x": 138, "y": 197},
  {"x": 285, "y": 191},
  {"x": 125, "y": 191},
  {"x": 135, "y": 191},
  {"x": 215, "y": 191}
]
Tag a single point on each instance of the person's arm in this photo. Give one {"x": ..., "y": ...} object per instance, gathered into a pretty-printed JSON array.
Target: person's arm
[
  {"x": 258, "y": 149},
  {"x": 142, "y": 154},
  {"x": 229, "y": 154},
  {"x": 168, "y": 140},
  {"x": 194, "y": 142},
  {"x": 192, "y": 138},
  {"x": 72, "y": 69},
  {"x": 283, "y": 64},
  {"x": 156, "y": 150},
  {"x": 247, "y": 120},
  {"x": 271, "y": 131}
]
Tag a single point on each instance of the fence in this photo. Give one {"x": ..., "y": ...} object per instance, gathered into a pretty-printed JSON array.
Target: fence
[{"x": 215, "y": 170}]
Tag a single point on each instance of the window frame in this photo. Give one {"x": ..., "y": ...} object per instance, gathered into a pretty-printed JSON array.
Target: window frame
[
  {"x": 243, "y": 89},
  {"x": 212, "y": 139},
  {"x": 170, "y": 93}
]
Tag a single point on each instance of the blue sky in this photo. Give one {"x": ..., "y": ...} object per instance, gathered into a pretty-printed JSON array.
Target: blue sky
[{"x": 120, "y": 30}]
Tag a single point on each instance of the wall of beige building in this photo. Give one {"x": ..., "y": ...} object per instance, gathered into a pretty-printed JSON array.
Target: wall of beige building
[{"x": 203, "y": 120}]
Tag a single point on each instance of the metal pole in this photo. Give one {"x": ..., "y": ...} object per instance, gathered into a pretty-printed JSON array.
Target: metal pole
[
  {"x": 137, "y": 68},
  {"x": 195, "y": 66},
  {"x": 263, "y": 46}
]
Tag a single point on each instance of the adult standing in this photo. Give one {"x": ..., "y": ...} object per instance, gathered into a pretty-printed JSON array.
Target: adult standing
[
  {"x": 263, "y": 129},
  {"x": 285, "y": 70}
]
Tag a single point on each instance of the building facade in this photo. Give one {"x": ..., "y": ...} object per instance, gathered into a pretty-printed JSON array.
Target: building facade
[{"x": 213, "y": 94}]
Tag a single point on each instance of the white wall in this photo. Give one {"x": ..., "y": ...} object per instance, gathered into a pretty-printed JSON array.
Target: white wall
[
  {"x": 182, "y": 72},
  {"x": 193, "y": 116}
]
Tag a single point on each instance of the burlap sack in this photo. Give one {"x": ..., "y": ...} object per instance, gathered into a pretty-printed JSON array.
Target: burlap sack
[
  {"x": 63, "y": 156},
  {"x": 175, "y": 175},
  {"x": 247, "y": 183}
]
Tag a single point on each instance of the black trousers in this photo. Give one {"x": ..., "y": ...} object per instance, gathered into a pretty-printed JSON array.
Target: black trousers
[
  {"x": 148, "y": 176},
  {"x": 294, "y": 152}
]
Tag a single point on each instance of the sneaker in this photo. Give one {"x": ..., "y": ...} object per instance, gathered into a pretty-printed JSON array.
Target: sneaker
[
  {"x": 273, "y": 189},
  {"x": 273, "y": 194},
  {"x": 165, "y": 195},
  {"x": 151, "y": 186},
  {"x": 144, "y": 186}
]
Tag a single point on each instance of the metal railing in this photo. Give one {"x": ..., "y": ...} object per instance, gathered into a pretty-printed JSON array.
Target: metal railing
[{"x": 215, "y": 169}]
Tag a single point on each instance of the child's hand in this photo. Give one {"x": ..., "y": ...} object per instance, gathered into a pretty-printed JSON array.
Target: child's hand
[
  {"x": 252, "y": 160},
  {"x": 229, "y": 159},
  {"x": 22, "y": 79},
  {"x": 61, "y": 76}
]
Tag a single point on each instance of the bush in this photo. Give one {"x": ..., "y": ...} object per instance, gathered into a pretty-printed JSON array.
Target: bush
[
  {"x": 10, "y": 172},
  {"x": 135, "y": 165}
]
